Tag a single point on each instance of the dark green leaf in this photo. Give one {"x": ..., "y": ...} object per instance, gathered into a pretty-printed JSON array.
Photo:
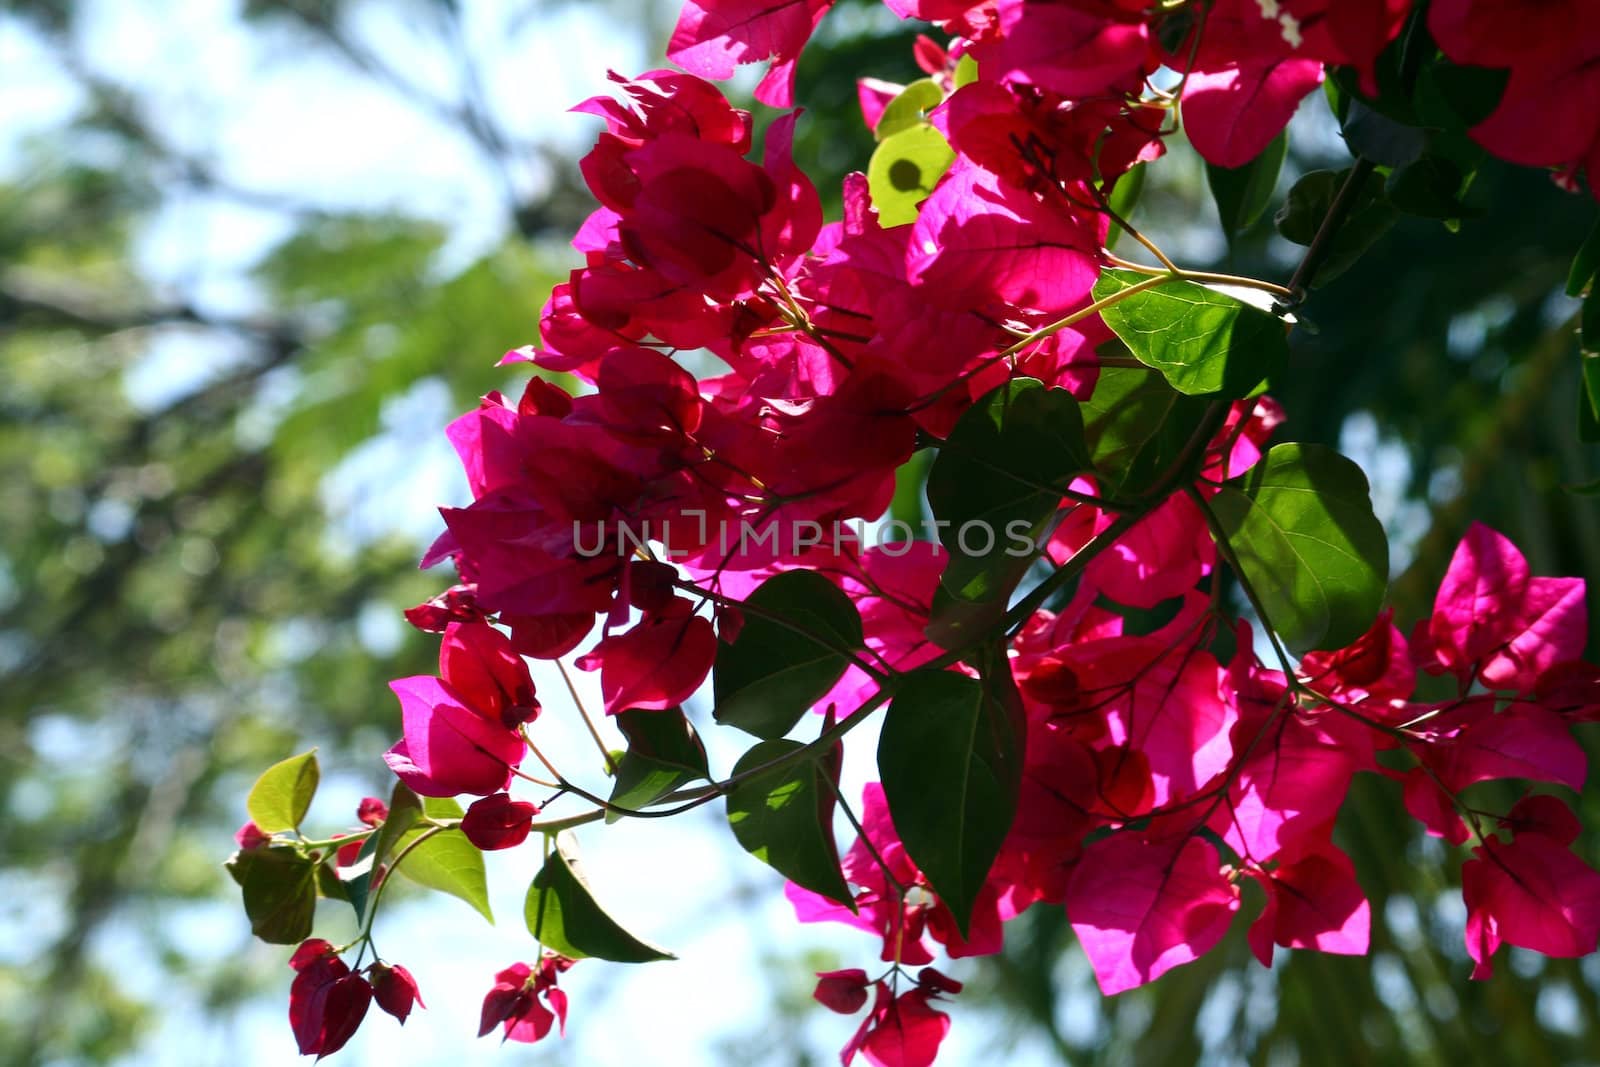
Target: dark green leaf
[
  {"x": 774, "y": 671},
  {"x": 1586, "y": 263},
  {"x": 909, "y": 108},
  {"x": 357, "y": 888},
  {"x": 1589, "y": 399},
  {"x": 1124, "y": 198},
  {"x": 282, "y": 795},
  {"x": 998, "y": 480},
  {"x": 1458, "y": 97},
  {"x": 949, "y": 757},
  {"x": 903, "y": 170},
  {"x": 1431, "y": 187},
  {"x": 1308, "y": 204},
  {"x": 448, "y": 862},
  {"x": 1136, "y": 425},
  {"x": 1589, "y": 336},
  {"x": 405, "y": 808},
  {"x": 1301, "y": 526},
  {"x": 784, "y": 817},
  {"x": 563, "y": 915},
  {"x": 664, "y": 753},
  {"x": 1243, "y": 193},
  {"x": 280, "y": 892},
  {"x": 1380, "y": 138},
  {"x": 1201, "y": 340}
]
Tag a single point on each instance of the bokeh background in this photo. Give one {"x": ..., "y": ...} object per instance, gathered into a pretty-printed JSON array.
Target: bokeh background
[{"x": 254, "y": 255}]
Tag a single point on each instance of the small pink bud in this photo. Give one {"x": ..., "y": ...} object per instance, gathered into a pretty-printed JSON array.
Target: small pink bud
[
  {"x": 497, "y": 822},
  {"x": 250, "y": 836},
  {"x": 372, "y": 811},
  {"x": 842, "y": 991}
]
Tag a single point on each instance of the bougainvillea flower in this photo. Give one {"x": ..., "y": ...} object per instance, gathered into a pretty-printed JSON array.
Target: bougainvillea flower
[
  {"x": 1142, "y": 908},
  {"x": 715, "y": 36},
  {"x": 1531, "y": 892},
  {"x": 480, "y": 666},
  {"x": 1492, "y": 621},
  {"x": 448, "y": 748},
  {"x": 394, "y": 989},
  {"x": 326, "y": 1001},
  {"x": 526, "y": 1002},
  {"x": 496, "y": 822}
]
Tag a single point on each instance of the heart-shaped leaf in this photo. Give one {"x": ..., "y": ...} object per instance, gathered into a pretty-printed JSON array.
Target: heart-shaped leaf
[
  {"x": 784, "y": 817},
  {"x": 775, "y": 670},
  {"x": 282, "y": 795},
  {"x": 1300, "y": 523},
  {"x": 562, "y": 913}
]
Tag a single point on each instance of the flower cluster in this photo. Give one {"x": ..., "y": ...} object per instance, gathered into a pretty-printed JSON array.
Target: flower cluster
[{"x": 1128, "y": 750}]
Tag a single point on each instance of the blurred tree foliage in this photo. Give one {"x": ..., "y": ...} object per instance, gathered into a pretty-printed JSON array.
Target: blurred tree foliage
[
  {"x": 184, "y": 599},
  {"x": 183, "y": 603}
]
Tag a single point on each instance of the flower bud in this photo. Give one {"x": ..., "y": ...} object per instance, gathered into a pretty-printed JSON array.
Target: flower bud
[
  {"x": 497, "y": 822},
  {"x": 394, "y": 989}
]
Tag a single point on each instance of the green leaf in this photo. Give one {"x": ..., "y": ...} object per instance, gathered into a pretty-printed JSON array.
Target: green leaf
[
  {"x": 1589, "y": 397},
  {"x": 441, "y": 808},
  {"x": 1586, "y": 263},
  {"x": 1458, "y": 97},
  {"x": 909, "y": 482},
  {"x": 903, "y": 170},
  {"x": 966, "y": 71},
  {"x": 448, "y": 862},
  {"x": 563, "y": 915},
  {"x": 1124, "y": 198},
  {"x": 1201, "y": 340},
  {"x": 997, "y": 482},
  {"x": 280, "y": 892},
  {"x": 1136, "y": 426},
  {"x": 909, "y": 108},
  {"x": 949, "y": 757},
  {"x": 1382, "y": 139},
  {"x": 1589, "y": 336},
  {"x": 784, "y": 818},
  {"x": 774, "y": 671},
  {"x": 282, "y": 795},
  {"x": 405, "y": 808},
  {"x": 1308, "y": 204},
  {"x": 1431, "y": 187},
  {"x": 1243, "y": 193},
  {"x": 1300, "y": 523},
  {"x": 664, "y": 753}
]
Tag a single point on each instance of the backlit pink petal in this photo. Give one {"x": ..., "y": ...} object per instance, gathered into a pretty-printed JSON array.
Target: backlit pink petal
[
  {"x": 977, "y": 240},
  {"x": 1430, "y": 805},
  {"x": 1140, "y": 909},
  {"x": 1291, "y": 785},
  {"x": 715, "y": 36},
  {"x": 1232, "y": 115},
  {"x": 909, "y": 1033},
  {"x": 1533, "y": 893},
  {"x": 655, "y": 665},
  {"x": 1546, "y": 815},
  {"x": 448, "y": 748},
  {"x": 1482, "y": 589},
  {"x": 1163, "y": 556},
  {"x": 1552, "y": 626},
  {"x": 1065, "y": 49},
  {"x": 1313, "y": 902},
  {"x": 1524, "y": 741}
]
